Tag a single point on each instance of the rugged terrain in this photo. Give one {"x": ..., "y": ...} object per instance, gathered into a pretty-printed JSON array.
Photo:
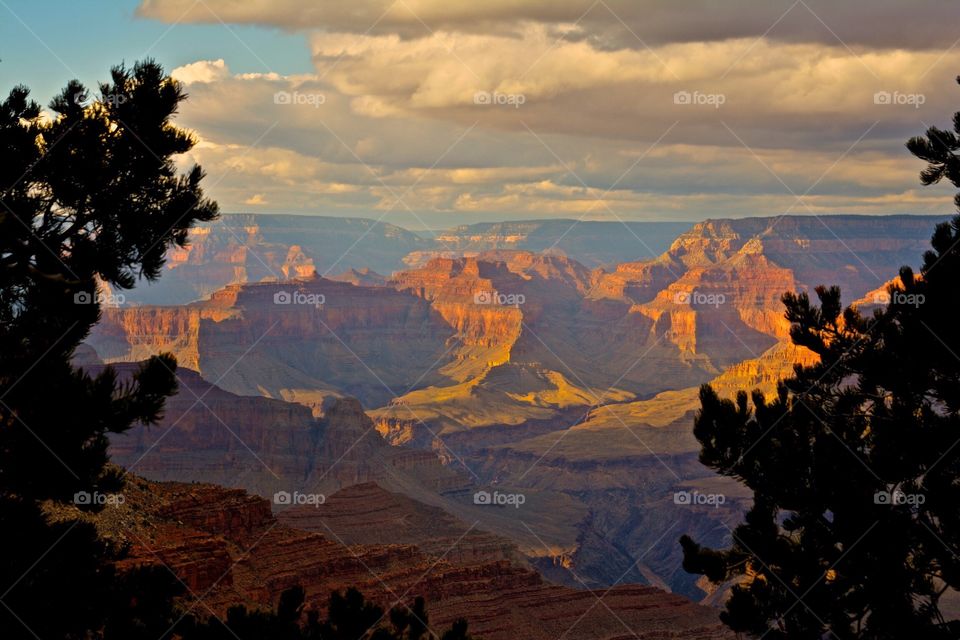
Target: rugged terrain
[
  {"x": 268, "y": 446},
  {"x": 507, "y": 370}
]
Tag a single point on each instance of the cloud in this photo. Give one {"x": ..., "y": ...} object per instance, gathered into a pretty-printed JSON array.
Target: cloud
[
  {"x": 530, "y": 81},
  {"x": 522, "y": 110},
  {"x": 204, "y": 71},
  {"x": 609, "y": 24},
  {"x": 553, "y": 156}
]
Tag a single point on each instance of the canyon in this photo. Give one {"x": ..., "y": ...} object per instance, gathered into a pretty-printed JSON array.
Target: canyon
[{"x": 498, "y": 366}]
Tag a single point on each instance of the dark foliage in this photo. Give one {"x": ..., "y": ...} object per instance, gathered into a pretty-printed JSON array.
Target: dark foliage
[
  {"x": 350, "y": 617},
  {"x": 91, "y": 196}
]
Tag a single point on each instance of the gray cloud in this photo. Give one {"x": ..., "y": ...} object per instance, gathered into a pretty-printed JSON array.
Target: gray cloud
[{"x": 918, "y": 24}]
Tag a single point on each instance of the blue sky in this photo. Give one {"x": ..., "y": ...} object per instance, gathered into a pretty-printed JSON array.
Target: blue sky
[
  {"x": 440, "y": 112},
  {"x": 45, "y": 43}
]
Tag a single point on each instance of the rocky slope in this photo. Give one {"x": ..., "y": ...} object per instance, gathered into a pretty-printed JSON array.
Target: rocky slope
[
  {"x": 227, "y": 548},
  {"x": 369, "y": 514},
  {"x": 267, "y": 446}
]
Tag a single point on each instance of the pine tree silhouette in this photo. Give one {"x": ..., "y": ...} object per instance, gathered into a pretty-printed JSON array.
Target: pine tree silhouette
[{"x": 91, "y": 195}]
